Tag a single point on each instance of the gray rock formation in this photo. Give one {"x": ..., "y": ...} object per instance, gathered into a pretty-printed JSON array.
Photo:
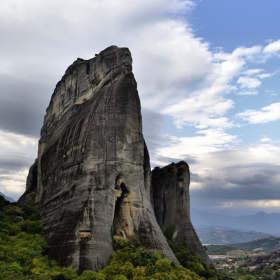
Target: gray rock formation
[
  {"x": 93, "y": 164},
  {"x": 92, "y": 178},
  {"x": 170, "y": 192}
]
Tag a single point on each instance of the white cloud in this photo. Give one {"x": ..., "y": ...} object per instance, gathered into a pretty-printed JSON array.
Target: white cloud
[
  {"x": 266, "y": 114},
  {"x": 249, "y": 53},
  {"x": 272, "y": 47},
  {"x": 246, "y": 82},
  {"x": 251, "y": 92},
  {"x": 263, "y": 76},
  {"x": 212, "y": 146},
  {"x": 166, "y": 68},
  {"x": 241, "y": 54},
  {"x": 256, "y": 72},
  {"x": 171, "y": 65},
  {"x": 208, "y": 141},
  {"x": 207, "y": 105},
  {"x": 203, "y": 110},
  {"x": 32, "y": 32},
  {"x": 252, "y": 72},
  {"x": 265, "y": 139}
]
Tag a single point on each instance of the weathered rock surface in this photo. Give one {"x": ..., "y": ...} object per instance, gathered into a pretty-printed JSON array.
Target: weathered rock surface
[
  {"x": 93, "y": 164},
  {"x": 92, "y": 178},
  {"x": 170, "y": 192}
]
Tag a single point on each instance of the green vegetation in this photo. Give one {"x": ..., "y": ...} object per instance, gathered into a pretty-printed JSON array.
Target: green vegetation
[
  {"x": 190, "y": 260},
  {"x": 22, "y": 245},
  {"x": 132, "y": 261},
  {"x": 268, "y": 271},
  {"x": 261, "y": 245},
  {"x": 22, "y": 254}
]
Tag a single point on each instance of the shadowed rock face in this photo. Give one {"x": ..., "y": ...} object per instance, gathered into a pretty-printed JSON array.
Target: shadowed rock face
[
  {"x": 170, "y": 191},
  {"x": 93, "y": 164}
]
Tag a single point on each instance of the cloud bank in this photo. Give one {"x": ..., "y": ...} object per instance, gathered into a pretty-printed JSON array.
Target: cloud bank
[{"x": 194, "y": 97}]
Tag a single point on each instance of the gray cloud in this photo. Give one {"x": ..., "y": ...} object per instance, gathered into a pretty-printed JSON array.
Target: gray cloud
[
  {"x": 152, "y": 123},
  {"x": 22, "y": 105},
  {"x": 6, "y": 178},
  {"x": 255, "y": 175},
  {"x": 242, "y": 182},
  {"x": 13, "y": 163},
  {"x": 195, "y": 177}
]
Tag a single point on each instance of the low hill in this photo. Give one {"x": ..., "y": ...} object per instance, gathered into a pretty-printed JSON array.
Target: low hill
[
  {"x": 261, "y": 245},
  {"x": 265, "y": 245}
]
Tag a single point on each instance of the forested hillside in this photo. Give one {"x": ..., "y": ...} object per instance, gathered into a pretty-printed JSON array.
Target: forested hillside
[
  {"x": 264, "y": 245},
  {"x": 23, "y": 254}
]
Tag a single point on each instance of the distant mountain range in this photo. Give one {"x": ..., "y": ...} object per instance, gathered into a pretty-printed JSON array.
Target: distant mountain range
[
  {"x": 220, "y": 229},
  {"x": 7, "y": 198}
]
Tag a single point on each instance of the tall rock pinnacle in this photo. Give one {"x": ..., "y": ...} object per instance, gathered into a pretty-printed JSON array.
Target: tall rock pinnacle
[
  {"x": 93, "y": 169},
  {"x": 93, "y": 165},
  {"x": 170, "y": 191}
]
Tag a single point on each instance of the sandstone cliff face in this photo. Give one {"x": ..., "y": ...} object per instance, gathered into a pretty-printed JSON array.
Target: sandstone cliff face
[
  {"x": 93, "y": 164},
  {"x": 170, "y": 192}
]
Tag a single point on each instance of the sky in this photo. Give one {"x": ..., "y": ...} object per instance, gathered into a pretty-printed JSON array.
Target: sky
[{"x": 208, "y": 77}]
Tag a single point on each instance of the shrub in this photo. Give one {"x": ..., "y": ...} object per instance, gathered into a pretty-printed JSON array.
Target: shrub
[{"x": 32, "y": 227}]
